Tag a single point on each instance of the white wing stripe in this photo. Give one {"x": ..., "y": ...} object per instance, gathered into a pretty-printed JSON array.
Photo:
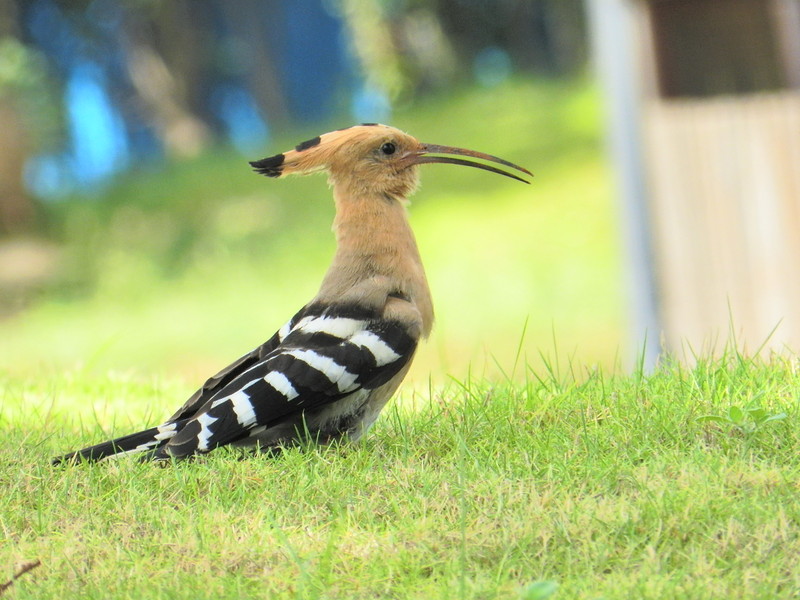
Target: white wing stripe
[
  {"x": 165, "y": 432},
  {"x": 380, "y": 350},
  {"x": 281, "y": 383},
  {"x": 205, "y": 420},
  {"x": 284, "y": 331},
  {"x": 243, "y": 408},
  {"x": 139, "y": 448},
  {"x": 339, "y": 327},
  {"x": 343, "y": 379}
]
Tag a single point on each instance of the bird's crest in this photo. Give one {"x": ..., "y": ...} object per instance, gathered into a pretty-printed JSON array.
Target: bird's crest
[{"x": 316, "y": 153}]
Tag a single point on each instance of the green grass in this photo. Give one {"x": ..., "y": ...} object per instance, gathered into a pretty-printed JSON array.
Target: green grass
[
  {"x": 606, "y": 486},
  {"x": 176, "y": 270}
]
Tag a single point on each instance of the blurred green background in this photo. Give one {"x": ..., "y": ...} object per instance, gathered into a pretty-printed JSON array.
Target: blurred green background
[{"x": 174, "y": 258}]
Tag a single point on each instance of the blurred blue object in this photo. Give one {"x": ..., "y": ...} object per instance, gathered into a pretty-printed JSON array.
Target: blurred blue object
[
  {"x": 371, "y": 105},
  {"x": 237, "y": 109},
  {"x": 492, "y": 66},
  {"x": 97, "y": 132},
  {"x": 313, "y": 57},
  {"x": 49, "y": 176}
]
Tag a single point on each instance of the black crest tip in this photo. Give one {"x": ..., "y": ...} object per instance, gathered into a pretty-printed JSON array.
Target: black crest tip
[
  {"x": 307, "y": 144},
  {"x": 272, "y": 166}
]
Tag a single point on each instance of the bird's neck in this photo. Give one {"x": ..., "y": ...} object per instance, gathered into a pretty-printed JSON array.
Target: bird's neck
[{"x": 374, "y": 240}]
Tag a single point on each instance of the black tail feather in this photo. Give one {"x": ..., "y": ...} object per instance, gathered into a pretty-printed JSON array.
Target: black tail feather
[{"x": 142, "y": 441}]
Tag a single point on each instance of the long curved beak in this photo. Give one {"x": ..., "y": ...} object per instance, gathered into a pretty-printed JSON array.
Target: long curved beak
[{"x": 426, "y": 154}]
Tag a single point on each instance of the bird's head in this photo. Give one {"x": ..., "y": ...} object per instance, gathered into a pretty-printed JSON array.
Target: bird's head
[{"x": 373, "y": 158}]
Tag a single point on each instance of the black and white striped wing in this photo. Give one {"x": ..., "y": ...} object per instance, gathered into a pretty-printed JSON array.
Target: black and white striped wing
[
  {"x": 217, "y": 382},
  {"x": 156, "y": 437},
  {"x": 327, "y": 355}
]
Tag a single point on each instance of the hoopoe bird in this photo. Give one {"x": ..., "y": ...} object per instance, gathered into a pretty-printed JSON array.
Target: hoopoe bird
[{"x": 328, "y": 372}]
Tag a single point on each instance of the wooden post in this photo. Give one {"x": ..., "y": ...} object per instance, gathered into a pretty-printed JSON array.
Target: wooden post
[{"x": 613, "y": 26}]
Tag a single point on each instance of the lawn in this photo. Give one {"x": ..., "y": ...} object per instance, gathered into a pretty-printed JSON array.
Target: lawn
[{"x": 570, "y": 484}]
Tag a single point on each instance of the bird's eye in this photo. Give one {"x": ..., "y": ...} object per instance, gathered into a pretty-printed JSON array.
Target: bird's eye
[{"x": 388, "y": 148}]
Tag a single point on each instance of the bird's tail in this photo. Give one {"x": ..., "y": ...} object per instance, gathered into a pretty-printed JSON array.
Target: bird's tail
[{"x": 149, "y": 439}]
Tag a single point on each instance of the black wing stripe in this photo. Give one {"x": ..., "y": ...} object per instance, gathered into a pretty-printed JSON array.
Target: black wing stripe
[
  {"x": 337, "y": 374},
  {"x": 394, "y": 335},
  {"x": 358, "y": 359},
  {"x": 271, "y": 391},
  {"x": 348, "y": 311},
  {"x": 382, "y": 353},
  {"x": 185, "y": 443},
  {"x": 304, "y": 380}
]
